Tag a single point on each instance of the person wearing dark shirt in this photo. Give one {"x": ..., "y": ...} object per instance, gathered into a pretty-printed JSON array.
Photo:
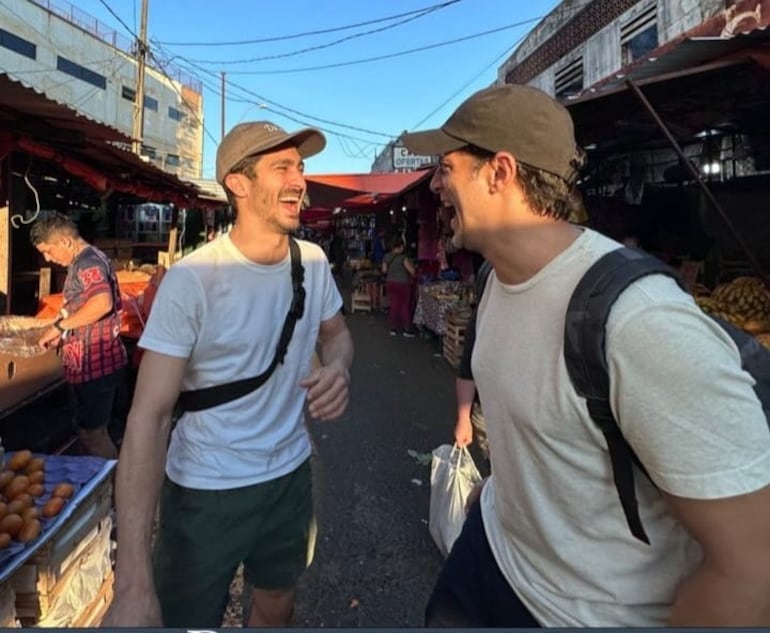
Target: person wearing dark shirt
[
  {"x": 470, "y": 418},
  {"x": 88, "y": 328}
]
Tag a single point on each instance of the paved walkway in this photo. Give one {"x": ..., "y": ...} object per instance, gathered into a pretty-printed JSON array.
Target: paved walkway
[{"x": 375, "y": 560}]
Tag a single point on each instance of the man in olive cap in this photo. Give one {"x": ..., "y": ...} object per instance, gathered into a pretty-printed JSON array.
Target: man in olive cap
[
  {"x": 546, "y": 542},
  {"x": 237, "y": 486}
]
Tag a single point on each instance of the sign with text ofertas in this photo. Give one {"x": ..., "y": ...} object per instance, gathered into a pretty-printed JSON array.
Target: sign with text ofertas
[{"x": 402, "y": 159}]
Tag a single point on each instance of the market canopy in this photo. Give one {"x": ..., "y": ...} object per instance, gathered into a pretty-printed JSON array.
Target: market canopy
[
  {"x": 32, "y": 123},
  {"x": 360, "y": 191}
]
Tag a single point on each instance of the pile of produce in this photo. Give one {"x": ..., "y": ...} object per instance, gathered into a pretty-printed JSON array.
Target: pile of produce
[
  {"x": 744, "y": 302},
  {"x": 26, "y": 499}
]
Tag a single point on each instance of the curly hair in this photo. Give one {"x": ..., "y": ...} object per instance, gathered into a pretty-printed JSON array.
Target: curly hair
[
  {"x": 51, "y": 226},
  {"x": 547, "y": 194}
]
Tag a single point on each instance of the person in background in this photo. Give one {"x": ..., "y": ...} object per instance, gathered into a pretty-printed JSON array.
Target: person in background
[
  {"x": 470, "y": 416},
  {"x": 378, "y": 248},
  {"x": 237, "y": 486},
  {"x": 547, "y": 543},
  {"x": 88, "y": 327},
  {"x": 399, "y": 272},
  {"x": 339, "y": 254}
]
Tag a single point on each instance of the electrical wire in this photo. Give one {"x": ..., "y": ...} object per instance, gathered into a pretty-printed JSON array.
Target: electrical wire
[
  {"x": 264, "y": 100},
  {"x": 314, "y": 48},
  {"x": 309, "y": 33},
  {"x": 354, "y": 62},
  {"x": 20, "y": 218}
]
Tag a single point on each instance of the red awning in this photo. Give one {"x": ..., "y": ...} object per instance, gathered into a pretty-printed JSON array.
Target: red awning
[
  {"x": 360, "y": 190},
  {"x": 81, "y": 146}
]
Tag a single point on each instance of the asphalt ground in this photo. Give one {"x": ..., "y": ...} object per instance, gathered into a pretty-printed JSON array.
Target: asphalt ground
[{"x": 375, "y": 562}]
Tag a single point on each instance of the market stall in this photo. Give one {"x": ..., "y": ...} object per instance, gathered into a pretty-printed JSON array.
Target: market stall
[
  {"x": 436, "y": 301},
  {"x": 55, "y": 524}
]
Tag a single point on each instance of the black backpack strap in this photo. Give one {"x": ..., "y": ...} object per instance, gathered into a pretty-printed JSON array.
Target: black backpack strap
[
  {"x": 199, "y": 399},
  {"x": 584, "y": 354}
]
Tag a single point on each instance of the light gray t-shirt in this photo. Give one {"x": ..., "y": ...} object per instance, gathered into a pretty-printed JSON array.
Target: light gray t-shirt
[{"x": 551, "y": 511}]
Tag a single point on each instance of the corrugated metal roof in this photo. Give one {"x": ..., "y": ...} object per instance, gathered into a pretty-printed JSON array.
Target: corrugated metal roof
[
  {"x": 677, "y": 57},
  {"x": 23, "y": 101}
]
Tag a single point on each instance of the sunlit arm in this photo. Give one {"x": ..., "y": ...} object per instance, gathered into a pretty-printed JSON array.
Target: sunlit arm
[{"x": 731, "y": 586}]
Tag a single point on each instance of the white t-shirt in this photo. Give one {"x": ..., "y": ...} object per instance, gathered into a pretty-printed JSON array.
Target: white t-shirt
[
  {"x": 225, "y": 313},
  {"x": 551, "y": 512}
]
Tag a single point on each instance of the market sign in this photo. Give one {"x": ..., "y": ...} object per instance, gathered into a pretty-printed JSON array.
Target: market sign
[{"x": 402, "y": 159}]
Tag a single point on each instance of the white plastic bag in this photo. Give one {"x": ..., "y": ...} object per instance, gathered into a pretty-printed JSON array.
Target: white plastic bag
[{"x": 452, "y": 477}]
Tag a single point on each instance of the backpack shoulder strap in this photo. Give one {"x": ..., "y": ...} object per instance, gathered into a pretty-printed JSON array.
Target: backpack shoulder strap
[
  {"x": 208, "y": 397},
  {"x": 480, "y": 282},
  {"x": 584, "y": 355}
]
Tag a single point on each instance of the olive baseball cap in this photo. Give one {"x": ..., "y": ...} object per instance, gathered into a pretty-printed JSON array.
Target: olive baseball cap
[
  {"x": 522, "y": 120},
  {"x": 257, "y": 137}
]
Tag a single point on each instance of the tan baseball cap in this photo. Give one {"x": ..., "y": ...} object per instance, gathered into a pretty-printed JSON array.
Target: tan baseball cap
[
  {"x": 522, "y": 120},
  {"x": 257, "y": 137}
]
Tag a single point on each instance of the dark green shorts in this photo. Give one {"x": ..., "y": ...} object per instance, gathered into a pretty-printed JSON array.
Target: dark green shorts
[{"x": 205, "y": 534}]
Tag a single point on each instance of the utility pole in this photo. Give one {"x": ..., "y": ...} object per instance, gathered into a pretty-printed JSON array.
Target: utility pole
[
  {"x": 222, "y": 135},
  {"x": 141, "y": 58}
]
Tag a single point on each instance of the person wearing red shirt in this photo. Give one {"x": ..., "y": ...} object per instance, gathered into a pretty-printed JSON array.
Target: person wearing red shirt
[{"x": 88, "y": 328}]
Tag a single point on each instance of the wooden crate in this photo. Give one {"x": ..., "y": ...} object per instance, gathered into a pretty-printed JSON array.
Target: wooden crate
[
  {"x": 454, "y": 340},
  {"x": 44, "y": 577},
  {"x": 94, "y": 613},
  {"x": 360, "y": 302}
]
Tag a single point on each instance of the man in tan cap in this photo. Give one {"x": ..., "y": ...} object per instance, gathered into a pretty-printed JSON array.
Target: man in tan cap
[
  {"x": 546, "y": 542},
  {"x": 237, "y": 488}
]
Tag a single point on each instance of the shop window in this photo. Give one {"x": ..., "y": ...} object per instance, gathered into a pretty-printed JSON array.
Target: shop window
[
  {"x": 81, "y": 72},
  {"x": 639, "y": 35},
  {"x": 17, "y": 44},
  {"x": 569, "y": 80}
]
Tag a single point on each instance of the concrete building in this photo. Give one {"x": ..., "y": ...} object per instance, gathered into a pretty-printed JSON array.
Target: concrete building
[
  {"x": 669, "y": 99},
  {"x": 580, "y": 43},
  {"x": 61, "y": 51}
]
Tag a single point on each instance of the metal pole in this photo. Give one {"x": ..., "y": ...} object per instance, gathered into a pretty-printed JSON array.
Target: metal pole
[
  {"x": 141, "y": 54},
  {"x": 703, "y": 187}
]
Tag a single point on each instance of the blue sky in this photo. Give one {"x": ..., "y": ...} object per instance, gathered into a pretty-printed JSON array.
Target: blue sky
[{"x": 381, "y": 98}]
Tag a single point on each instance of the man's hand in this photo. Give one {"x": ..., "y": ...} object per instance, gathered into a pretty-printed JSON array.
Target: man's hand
[
  {"x": 463, "y": 431},
  {"x": 328, "y": 391},
  {"x": 50, "y": 338},
  {"x": 134, "y": 609}
]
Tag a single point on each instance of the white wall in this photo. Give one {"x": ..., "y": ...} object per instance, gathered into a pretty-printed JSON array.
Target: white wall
[{"x": 54, "y": 37}]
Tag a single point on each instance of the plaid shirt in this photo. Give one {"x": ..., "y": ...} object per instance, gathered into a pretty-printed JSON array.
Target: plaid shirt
[{"x": 94, "y": 350}]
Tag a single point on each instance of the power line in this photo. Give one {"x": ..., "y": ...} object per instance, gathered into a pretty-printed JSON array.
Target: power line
[
  {"x": 308, "y": 33},
  {"x": 181, "y": 96},
  {"x": 264, "y": 99},
  {"x": 508, "y": 50},
  {"x": 388, "y": 56},
  {"x": 118, "y": 18},
  {"x": 319, "y": 46}
]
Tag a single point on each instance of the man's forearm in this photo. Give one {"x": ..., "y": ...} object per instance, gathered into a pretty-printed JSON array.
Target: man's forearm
[
  {"x": 338, "y": 350},
  {"x": 138, "y": 483},
  {"x": 92, "y": 311},
  {"x": 713, "y": 598},
  {"x": 465, "y": 391}
]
